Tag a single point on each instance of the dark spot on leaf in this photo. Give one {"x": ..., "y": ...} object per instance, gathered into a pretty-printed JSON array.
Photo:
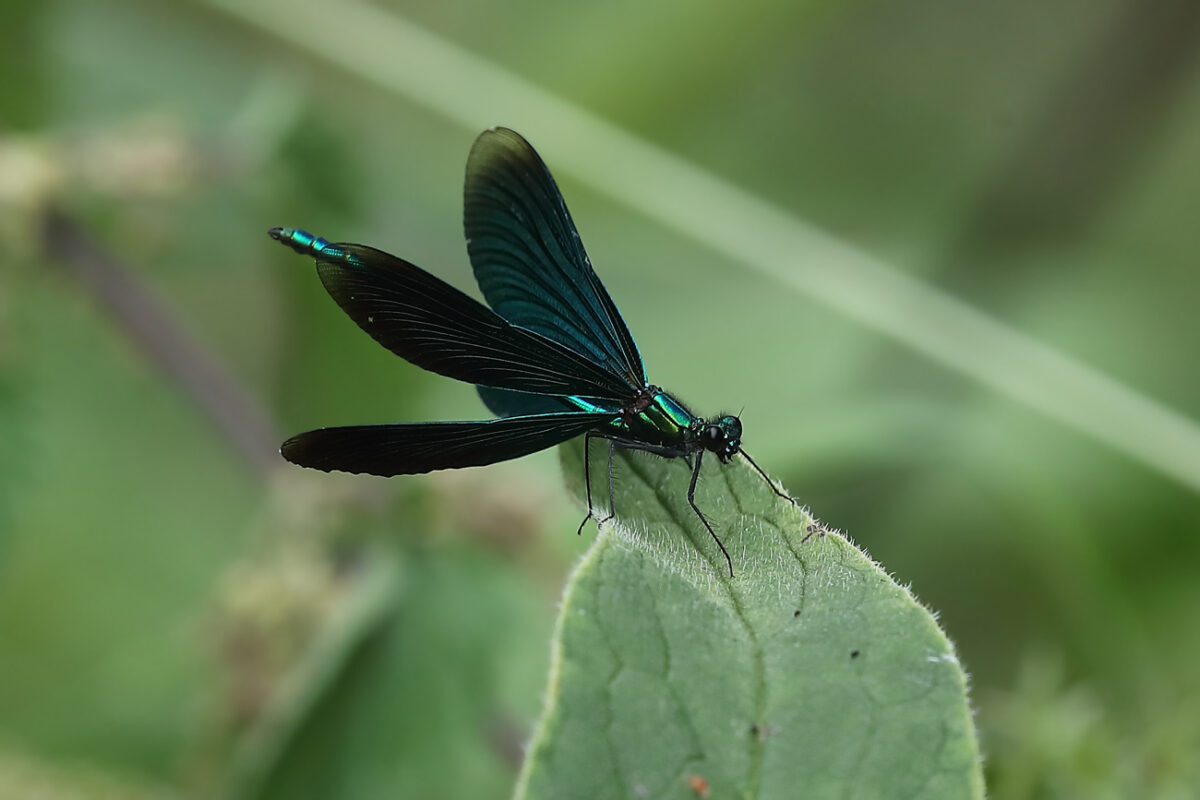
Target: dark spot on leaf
[
  {"x": 854, "y": 654},
  {"x": 762, "y": 732},
  {"x": 797, "y": 613}
]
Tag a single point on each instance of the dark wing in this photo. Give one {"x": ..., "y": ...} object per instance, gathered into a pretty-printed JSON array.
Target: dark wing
[
  {"x": 410, "y": 448},
  {"x": 529, "y": 260},
  {"x": 505, "y": 403},
  {"x": 430, "y": 323}
]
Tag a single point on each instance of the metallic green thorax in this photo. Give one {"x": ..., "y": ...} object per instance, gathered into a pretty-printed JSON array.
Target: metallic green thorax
[
  {"x": 654, "y": 417},
  {"x": 660, "y": 423},
  {"x": 657, "y": 417}
]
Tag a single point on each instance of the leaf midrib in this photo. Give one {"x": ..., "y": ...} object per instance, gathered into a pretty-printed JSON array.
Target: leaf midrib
[{"x": 757, "y": 746}]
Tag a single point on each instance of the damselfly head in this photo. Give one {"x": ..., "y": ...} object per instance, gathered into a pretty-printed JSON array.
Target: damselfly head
[{"x": 722, "y": 436}]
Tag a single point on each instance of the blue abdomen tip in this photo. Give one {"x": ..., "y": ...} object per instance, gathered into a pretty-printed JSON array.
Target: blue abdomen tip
[{"x": 299, "y": 240}]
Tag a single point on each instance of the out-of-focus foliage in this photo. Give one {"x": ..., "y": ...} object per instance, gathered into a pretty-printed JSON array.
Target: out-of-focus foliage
[{"x": 1037, "y": 159}]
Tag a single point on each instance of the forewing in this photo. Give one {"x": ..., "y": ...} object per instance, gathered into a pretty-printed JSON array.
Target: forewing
[
  {"x": 411, "y": 448},
  {"x": 430, "y": 323},
  {"x": 529, "y": 259}
]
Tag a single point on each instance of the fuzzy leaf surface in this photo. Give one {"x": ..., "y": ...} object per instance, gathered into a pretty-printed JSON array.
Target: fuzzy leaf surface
[{"x": 809, "y": 674}]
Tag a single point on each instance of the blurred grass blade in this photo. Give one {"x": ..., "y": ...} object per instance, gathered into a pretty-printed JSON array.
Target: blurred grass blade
[
  {"x": 810, "y": 669},
  {"x": 379, "y": 46}
]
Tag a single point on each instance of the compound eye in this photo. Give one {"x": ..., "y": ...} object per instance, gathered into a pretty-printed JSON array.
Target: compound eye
[{"x": 713, "y": 434}]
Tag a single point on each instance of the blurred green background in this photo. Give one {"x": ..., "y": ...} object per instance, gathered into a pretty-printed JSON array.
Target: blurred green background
[{"x": 182, "y": 616}]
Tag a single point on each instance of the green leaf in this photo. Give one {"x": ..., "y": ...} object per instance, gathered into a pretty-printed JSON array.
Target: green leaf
[{"x": 810, "y": 674}]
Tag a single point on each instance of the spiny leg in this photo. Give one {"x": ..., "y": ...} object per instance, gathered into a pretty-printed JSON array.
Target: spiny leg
[
  {"x": 613, "y": 446},
  {"x": 587, "y": 479},
  {"x": 700, "y": 514},
  {"x": 766, "y": 478},
  {"x": 612, "y": 506}
]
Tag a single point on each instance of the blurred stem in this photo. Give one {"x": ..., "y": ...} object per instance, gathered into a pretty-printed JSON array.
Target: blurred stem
[
  {"x": 238, "y": 416},
  {"x": 414, "y": 63}
]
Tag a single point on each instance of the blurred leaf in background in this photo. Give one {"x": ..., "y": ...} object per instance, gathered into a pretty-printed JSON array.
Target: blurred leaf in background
[{"x": 1038, "y": 160}]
